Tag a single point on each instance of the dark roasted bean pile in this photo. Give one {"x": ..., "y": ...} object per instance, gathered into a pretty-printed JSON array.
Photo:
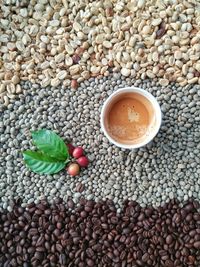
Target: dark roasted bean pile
[{"x": 94, "y": 234}]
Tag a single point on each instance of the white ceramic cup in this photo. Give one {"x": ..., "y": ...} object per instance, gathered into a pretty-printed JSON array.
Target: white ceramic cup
[{"x": 157, "y": 114}]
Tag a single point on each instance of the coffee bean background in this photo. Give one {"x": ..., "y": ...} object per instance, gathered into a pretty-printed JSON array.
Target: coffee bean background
[
  {"x": 166, "y": 168},
  {"x": 94, "y": 234}
]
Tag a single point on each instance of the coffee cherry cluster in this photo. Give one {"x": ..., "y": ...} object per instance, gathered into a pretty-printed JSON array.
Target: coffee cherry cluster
[{"x": 80, "y": 160}]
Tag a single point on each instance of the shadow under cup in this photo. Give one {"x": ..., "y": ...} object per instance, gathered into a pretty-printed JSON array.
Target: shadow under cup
[{"x": 130, "y": 117}]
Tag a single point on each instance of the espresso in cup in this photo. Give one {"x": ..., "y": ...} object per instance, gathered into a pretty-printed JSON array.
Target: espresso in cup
[{"x": 131, "y": 117}]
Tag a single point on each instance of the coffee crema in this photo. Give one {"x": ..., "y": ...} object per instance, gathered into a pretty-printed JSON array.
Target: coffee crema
[{"x": 130, "y": 118}]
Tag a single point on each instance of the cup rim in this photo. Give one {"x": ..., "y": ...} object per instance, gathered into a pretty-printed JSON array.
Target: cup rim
[{"x": 155, "y": 105}]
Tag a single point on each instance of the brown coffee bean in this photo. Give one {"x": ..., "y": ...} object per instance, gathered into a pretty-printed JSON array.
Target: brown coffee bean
[
  {"x": 189, "y": 217},
  {"x": 169, "y": 239},
  {"x": 19, "y": 249},
  {"x": 59, "y": 248},
  {"x": 83, "y": 214},
  {"x": 126, "y": 231},
  {"x": 196, "y": 217},
  {"x": 197, "y": 244},
  {"x": 136, "y": 236},
  {"x": 145, "y": 257},
  {"x": 184, "y": 252},
  {"x": 62, "y": 259},
  {"x": 39, "y": 255},
  {"x": 88, "y": 208},
  {"x": 75, "y": 59},
  {"x": 33, "y": 231},
  {"x": 40, "y": 241},
  {"x": 141, "y": 217},
  {"x": 189, "y": 207},
  {"x": 90, "y": 263},
  {"x": 40, "y": 249},
  {"x": 169, "y": 263},
  {"x": 90, "y": 253},
  {"x": 114, "y": 220},
  {"x": 161, "y": 31},
  {"x": 31, "y": 250},
  {"x": 191, "y": 259},
  {"x": 70, "y": 204}
]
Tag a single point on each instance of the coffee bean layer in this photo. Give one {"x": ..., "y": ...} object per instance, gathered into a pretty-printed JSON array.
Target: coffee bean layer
[
  {"x": 167, "y": 168},
  {"x": 94, "y": 234}
]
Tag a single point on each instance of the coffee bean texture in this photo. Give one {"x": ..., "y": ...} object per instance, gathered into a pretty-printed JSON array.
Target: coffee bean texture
[
  {"x": 96, "y": 235},
  {"x": 166, "y": 168}
]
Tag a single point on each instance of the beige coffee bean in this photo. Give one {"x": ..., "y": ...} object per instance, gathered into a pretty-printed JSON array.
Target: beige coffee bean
[
  {"x": 59, "y": 58},
  {"x": 95, "y": 69},
  {"x": 163, "y": 82},
  {"x": 68, "y": 60},
  {"x": 55, "y": 82},
  {"x": 15, "y": 79},
  {"x": 156, "y": 22},
  {"x": 183, "y": 83},
  {"x": 85, "y": 74},
  {"x": 107, "y": 44},
  {"x": 2, "y": 88},
  {"x": 61, "y": 75},
  {"x": 18, "y": 88},
  {"x": 197, "y": 67},
  {"x": 125, "y": 72},
  {"x": 193, "y": 80},
  {"x": 6, "y": 100},
  {"x": 76, "y": 26},
  {"x": 146, "y": 29},
  {"x": 178, "y": 54},
  {"x": 150, "y": 74},
  {"x": 155, "y": 56},
  {"x": 74, "y": 69},
  {"x": 141, "y": 3},
  {"x": 69, "y": 49},
  {"x": 100, "y": 38}
]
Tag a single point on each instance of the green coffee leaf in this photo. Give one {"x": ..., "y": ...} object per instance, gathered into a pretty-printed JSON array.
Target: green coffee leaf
[
  {"x": 41, "y": 163},
  {"x": 51, "y": 144}
]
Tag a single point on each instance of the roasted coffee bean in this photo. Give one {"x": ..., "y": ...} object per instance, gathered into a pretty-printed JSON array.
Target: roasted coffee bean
[
  {"x": 90, "y": 263},
  {"x": 197, "y": 244},
  {"x": 59, "y": 248},
  {"x": 62, "y": 259},
  {"x": 93, "y": 234},
  {"x": 38, "y": 255},
  {"x": 169, "y": 239},
  {"x": 169, "y": 263},
  {"x": 114, "y": 220},
  {"x": 40, "y": 249},
  {"x": 145, "y": 257}
]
